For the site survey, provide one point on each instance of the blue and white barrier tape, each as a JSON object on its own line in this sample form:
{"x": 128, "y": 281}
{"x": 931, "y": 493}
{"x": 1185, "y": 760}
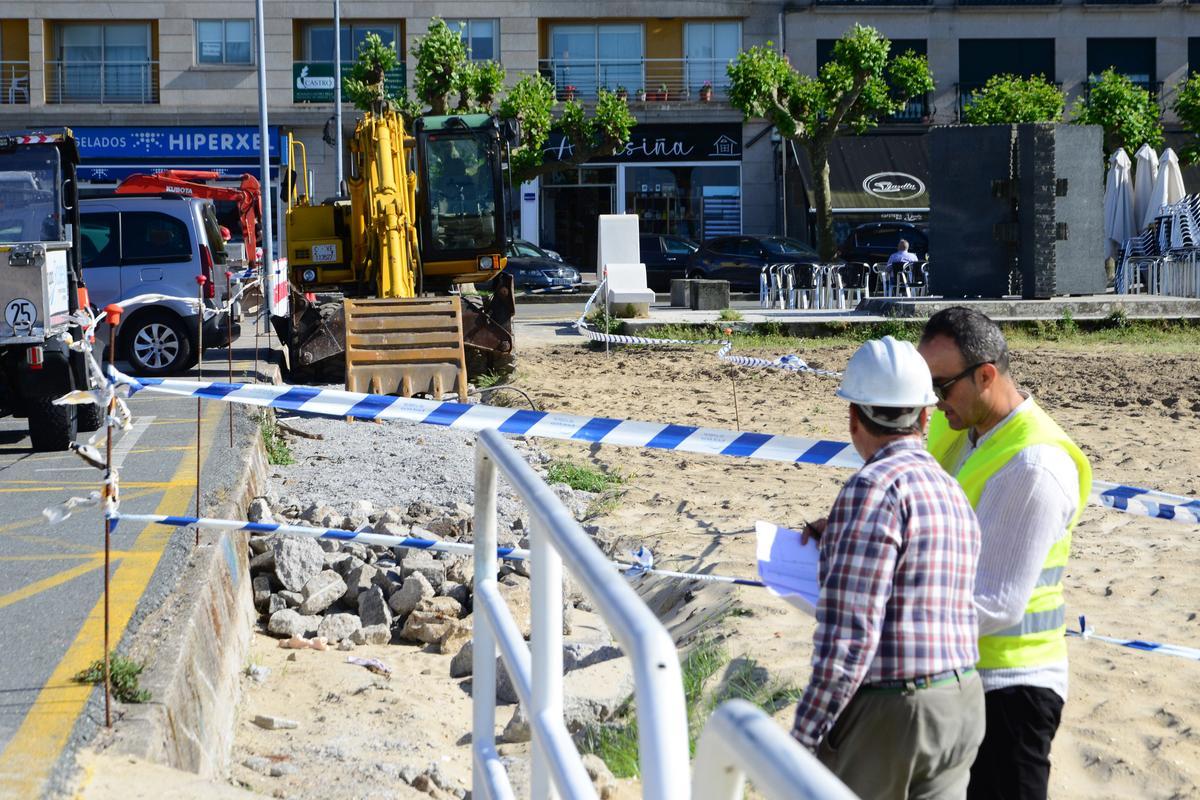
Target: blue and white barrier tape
{"x": 603, "y": 430}
{"x": 1179, "y": 651}
{"x": 789, "y": 363}
{"x": 518, "y": 422}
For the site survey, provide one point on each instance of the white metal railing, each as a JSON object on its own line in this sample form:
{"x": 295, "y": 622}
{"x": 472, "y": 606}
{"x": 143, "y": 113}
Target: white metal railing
{"x": 642, "y": 79}
{"x": 555, "y": 537}
{"x": 14, "y": 82}
{"x": 740, "y": 741}
{"x": 133, "y": 82}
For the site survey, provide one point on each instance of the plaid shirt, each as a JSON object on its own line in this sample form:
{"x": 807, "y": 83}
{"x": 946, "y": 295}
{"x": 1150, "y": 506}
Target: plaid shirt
{"x": 897, "y": 575}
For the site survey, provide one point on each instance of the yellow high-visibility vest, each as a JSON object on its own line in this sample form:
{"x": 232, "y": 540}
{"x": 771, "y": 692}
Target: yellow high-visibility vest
{"x": 1040, "y": 636}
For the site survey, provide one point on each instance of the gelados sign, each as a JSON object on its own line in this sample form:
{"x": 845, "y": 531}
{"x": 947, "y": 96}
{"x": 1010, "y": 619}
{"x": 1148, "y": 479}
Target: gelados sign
{"x": 230, "y": 141}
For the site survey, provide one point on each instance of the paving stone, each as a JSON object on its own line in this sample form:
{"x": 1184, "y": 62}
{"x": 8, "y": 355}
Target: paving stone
{"x": 297, "y": 560}
{"x": 373, "y": 609}
{"x": 336, "y": 627}
{"x": 322, "y": 591}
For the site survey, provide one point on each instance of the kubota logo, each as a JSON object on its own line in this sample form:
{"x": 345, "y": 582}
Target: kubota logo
{"x": 893, "y": 186}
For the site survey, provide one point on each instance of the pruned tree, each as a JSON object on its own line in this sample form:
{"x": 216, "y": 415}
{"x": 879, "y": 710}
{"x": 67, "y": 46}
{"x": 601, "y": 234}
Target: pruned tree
{"x": 446, "y": 81}
{"x": 1187, "y": 108}
{"x": 1012, "y": 98}
{"x": 365, "y": 85}
{"x": 854, "y": 90}
{"x": 1128, "y": 113}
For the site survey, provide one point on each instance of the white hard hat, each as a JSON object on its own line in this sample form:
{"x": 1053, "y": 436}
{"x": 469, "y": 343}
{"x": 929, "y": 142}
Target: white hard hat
{"x": 890, "y": 373}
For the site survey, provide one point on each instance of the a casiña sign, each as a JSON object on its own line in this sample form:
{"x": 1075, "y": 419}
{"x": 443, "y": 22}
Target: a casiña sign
{"x": 893, "y": 186}
{"x": 720, "y": 141}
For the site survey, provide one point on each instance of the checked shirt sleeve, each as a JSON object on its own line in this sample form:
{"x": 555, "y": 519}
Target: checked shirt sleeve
{"x": 858, "y": 557}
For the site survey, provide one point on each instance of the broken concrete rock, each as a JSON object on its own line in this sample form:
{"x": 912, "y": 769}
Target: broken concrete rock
{"x": 373, "y": 609}
{"x": 372, "y": 634}
{"x": 260, "y": 544}
{"x": 322, "y": 591}
{"x": 458, "y": 592}
{"x": 517, "y": 730}
{"x": 275, "y": 603}
{"x": 455, "y": 636}
{"x": 336, "y": 627}
{"x": 601, "y": 775}
{"x": 415, "y": 589}
{"x": 463, "y": 663}
{"x": 274, "y": 723}
{"x": 358, "y": 580}
{"x": 317, "y": 512}
{"x": 288, "y": 622}
{"x": 516, "y": 596}
{"x": 261, "y": 586}
{"x": 259, "y": 510}
{"x": 297, "y": 561}
{"x": 293, "y": 599}
{"x": 263, "y": 562}
{"x": 423, "y": 561}
{"x": 431, "y": 619}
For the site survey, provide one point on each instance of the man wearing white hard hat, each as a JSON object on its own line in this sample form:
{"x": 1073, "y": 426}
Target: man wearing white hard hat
{"x": 894, "y": 706}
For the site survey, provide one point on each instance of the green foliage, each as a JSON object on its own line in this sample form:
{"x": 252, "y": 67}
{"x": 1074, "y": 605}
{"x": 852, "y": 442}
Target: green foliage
{"x": 530, "y": 101}
{"x": 854, "y": 90}
{"x": 441, "y": 57}
{"x": 123, "y": 675}
{"x": 1187, "y": 107}
{"x": 364, "y": 87}
{"x": 583, "y": 478}
{"x": 1012, "y": 98}
{"x": 600, "y": 320}
{"x": 1128, "y": 113}
{"x": 278, "y": 452}
{"x": 729, "y": 315}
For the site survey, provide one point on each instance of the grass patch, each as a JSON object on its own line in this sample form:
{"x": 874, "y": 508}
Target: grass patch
{"x": 617, "y": 742}
{"x": 278, "y": 452}
{"x": 123, "y": 673}
{"x": 599, "y": 320}
{"x": 583, "y": 478}
{"x": 730, "y": 315}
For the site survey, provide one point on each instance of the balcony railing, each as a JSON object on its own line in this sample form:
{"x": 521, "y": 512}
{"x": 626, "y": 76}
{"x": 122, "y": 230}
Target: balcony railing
{"x": 646, "y": 79}
{"x": 1121, "y": 2}
{"x": 14, "y": 82}
{"x": 916, "y": 110}
{"x": 1009, "y": 2}
{"x": 873, "y": 2}
{"x": 133, "y": 82}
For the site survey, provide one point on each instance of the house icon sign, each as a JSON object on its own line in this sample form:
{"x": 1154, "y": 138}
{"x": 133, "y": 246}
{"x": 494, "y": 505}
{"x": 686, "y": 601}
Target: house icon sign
{"x": 724, "y": 146}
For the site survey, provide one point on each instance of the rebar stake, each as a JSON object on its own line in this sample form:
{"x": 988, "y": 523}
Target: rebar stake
{"x": 228, "y": 347}
{"x": 200, "y": 281}
{"x": 113, "y": 315}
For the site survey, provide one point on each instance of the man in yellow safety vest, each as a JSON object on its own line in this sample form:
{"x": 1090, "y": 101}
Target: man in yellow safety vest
{"x": 1028, "y": 483}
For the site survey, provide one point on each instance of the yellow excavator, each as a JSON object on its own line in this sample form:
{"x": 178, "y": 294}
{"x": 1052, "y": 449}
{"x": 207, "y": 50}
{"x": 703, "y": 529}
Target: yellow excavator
{"x": 376, "y": 279}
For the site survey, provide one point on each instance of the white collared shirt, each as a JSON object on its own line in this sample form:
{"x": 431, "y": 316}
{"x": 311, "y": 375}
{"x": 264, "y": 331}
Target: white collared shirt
{"x": 1024, "y": 508}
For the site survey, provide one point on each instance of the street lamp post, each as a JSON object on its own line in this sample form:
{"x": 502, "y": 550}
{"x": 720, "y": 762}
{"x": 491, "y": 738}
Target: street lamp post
{"x": 264, "y": 151}
{"x": 337, "y": 89}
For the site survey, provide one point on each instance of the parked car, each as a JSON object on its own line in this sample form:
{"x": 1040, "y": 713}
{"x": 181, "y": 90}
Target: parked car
{"x": 666, "y": 257}
{"x": 153, "y": 247}
{"x": 740, "y": 259}
{"x": 535, "y": 270}
{"x": 873, "y": 242}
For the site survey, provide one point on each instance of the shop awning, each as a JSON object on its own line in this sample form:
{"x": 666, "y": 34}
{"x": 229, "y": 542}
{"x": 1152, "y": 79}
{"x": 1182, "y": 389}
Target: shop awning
{"x": 875, "y": 172}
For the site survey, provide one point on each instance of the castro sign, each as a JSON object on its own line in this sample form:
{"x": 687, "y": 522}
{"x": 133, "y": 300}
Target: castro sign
{"x": 894, "y": 186}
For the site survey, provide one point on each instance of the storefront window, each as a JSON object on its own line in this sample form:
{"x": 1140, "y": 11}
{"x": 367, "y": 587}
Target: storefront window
{"x": 696, "y": 202}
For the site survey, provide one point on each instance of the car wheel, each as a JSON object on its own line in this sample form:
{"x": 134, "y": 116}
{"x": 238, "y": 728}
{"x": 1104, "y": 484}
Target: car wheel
{"x": 156, "y": 345}
{"x": 90, "y": 417}
{"x": 51, "y": 428}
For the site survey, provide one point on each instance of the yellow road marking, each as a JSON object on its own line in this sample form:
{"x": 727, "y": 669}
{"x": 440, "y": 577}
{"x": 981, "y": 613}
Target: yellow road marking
{"x": 30, "y": 756}
{"x": 7, "y": 529}
{"x": 37, "y": 587}
{"x": 64, "y": 556}
{"x": 185, "y": 482}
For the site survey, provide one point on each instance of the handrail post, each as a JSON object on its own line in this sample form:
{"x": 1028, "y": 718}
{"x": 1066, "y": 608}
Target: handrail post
{"x": 483, "y": 649}
{"x": 546, "y": 606}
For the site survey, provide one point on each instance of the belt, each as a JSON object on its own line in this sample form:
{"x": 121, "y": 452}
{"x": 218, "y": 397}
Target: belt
{"x": 912, "y": 684}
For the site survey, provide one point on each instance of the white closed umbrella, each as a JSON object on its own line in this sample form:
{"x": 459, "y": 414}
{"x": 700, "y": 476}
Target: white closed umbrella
{"x": 1145, "y": 173}
{"x": 1168, "y": 186}
{"x": 1119, "y": 225}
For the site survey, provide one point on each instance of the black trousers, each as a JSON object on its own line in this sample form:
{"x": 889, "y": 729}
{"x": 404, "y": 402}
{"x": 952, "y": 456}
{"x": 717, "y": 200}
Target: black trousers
{"x": 1013, "y": 762}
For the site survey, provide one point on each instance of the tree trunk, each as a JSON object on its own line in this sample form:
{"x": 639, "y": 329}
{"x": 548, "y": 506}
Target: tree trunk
{"x": 818, "y": 156}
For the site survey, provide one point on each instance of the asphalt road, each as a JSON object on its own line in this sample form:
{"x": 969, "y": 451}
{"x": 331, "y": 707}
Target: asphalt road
{"x": 51, "y": 576}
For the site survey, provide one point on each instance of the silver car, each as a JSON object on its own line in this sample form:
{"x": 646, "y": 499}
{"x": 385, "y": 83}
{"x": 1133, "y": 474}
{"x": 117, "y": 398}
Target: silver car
{"x": 145, "y": 252}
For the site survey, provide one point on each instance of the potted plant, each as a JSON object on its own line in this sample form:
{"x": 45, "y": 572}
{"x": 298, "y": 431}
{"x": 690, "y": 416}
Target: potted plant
{"x": 622, "y": 94}
{"x": 641, "y": 95}
{"x": 569, "y": 93}
{"x": 706, "y": 92}
{"x": 663, "y": 92}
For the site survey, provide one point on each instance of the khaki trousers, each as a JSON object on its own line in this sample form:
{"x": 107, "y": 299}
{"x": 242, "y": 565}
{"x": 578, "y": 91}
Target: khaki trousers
{"x": 916, "y": 745}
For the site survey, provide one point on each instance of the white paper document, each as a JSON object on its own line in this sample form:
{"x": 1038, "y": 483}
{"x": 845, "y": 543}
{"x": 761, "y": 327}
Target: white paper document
{"x": 788, "y": 568}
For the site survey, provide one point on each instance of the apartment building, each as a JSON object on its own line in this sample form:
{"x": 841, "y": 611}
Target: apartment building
{"x": 161, "y": 84}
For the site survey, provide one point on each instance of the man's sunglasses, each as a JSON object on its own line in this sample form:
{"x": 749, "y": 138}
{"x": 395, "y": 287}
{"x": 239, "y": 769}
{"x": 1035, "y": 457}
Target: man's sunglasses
{"x": 942, "y": 388}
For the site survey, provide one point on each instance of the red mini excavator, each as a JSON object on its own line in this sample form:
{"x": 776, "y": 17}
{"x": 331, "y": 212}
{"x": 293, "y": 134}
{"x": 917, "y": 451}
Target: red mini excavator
{"x": 191, "y": 183}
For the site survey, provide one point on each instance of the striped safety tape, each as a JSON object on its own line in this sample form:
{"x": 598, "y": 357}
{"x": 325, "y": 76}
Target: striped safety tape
{"x": 600, "y": 430}
{"x": 518, "y": 422}
{"x": 789, "y": 363}
{"x": 1179, "y": 651}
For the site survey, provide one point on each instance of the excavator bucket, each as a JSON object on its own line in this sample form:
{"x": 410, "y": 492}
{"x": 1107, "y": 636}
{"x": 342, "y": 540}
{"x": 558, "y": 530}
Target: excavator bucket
{"x": 487, "y": 328}
{"x": 405, "y": 346}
